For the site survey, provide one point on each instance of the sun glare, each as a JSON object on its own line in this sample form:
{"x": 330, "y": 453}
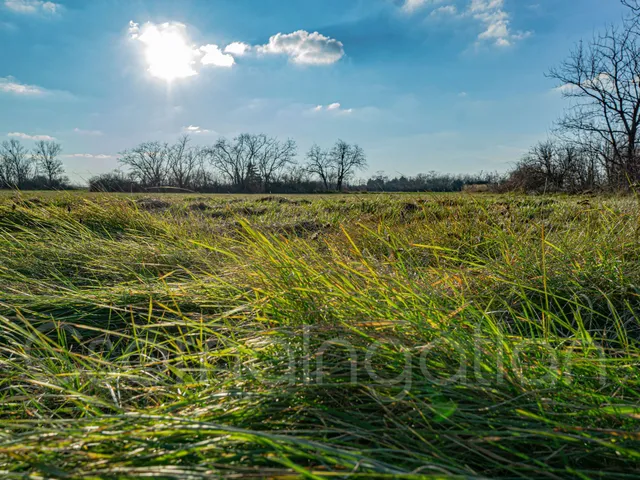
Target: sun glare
{"x": 168, "y": 52}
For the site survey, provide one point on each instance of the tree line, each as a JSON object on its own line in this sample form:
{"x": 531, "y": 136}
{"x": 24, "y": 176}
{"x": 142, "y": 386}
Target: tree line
{"x": 38, "y": 168}
{"x": 250, "y": 163}
{"x": 596, "y": 143}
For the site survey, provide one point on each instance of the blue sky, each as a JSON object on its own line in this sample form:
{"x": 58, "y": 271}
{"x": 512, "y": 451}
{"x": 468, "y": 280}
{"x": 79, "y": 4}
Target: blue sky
{"x": 446, "y": 85}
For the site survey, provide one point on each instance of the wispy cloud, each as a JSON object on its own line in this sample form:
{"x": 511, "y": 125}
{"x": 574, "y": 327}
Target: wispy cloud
{"x": 492, "y": 16}
{"x": 333, "y": 107}
{"x": 13, "y": 86}
{"x": 26, "y": 136}
{"x": 444, "y": 10}
{"x": 195, "y": 130}
{"x": 88, "y": 155}
{"x": 411, "y": 6}
{"x": 80, "y": 131}
{"x": 31, "y": 7}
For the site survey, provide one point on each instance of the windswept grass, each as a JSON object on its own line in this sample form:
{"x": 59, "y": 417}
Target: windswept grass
{"x": 357, "y": 336}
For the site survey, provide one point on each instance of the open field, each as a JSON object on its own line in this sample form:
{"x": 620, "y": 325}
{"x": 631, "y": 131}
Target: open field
{"x": 359, "y": 336}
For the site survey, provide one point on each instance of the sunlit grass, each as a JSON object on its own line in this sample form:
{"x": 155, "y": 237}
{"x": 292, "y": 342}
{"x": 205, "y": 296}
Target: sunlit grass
{"x": 386, "y": 336}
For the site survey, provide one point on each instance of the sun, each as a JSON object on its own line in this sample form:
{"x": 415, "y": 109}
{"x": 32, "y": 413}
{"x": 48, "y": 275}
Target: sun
{"x": 167, "y": 50}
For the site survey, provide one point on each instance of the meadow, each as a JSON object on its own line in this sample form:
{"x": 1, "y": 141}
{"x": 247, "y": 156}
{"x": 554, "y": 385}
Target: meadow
{"x": 396, "y": 336}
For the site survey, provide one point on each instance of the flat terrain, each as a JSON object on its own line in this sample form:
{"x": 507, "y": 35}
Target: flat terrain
{"x": 354, "y": 336}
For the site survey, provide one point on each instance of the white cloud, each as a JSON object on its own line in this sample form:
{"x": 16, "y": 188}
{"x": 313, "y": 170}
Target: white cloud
{"x": 463, "y": 94}
{"x": 305, "y": 48}
{"x": 565, "y": 89}
{"x": 410, "y": 6}
{"x": 333, "y": 107}
{"x": 237, "y": 48}
{"x": 444, "y": 10}
{"x": 214, "y": 56}
{"x": 496, "y": 21}
{"x": 193, "y": 129}
{"x": 491, "y": 14}
{"x": 134, "y": 29}
{"x": 87, "y": 155}
{"x": 32, "y": 6}
{"x": 80, "y": 131}
{"x": 170, "y": 55}
{"x": 25, "y": 136}
{"x": 602, "y": 82}
{"x": 11, "y": 85}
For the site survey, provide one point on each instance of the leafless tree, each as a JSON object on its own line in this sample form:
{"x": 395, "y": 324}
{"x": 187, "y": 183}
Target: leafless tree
{"x": 602, "y": 78}
{"x": 45, "y": 156}
{"x": 183, "y": 162}
{"x": 556, "y": 166}
{"x": 346, "y": 159}
{"x": 15, "y": 164}
{"x": 148, "y": 163}
{"x": 319, "y": 163}
{"x": 231, "y": 159}
{"x": 633, "y": 5}
{"x": 273, "y": 158}
{"x": 251, "y": 158}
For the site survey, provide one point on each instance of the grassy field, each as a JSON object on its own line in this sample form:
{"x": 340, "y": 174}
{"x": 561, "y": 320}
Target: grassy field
{"x": 355, "y": 336}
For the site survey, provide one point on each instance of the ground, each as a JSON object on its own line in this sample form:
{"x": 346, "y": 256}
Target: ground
{"x": 361, "y": 336}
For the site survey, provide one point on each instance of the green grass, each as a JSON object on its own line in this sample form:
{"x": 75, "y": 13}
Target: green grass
{"x": 355, "y": 336}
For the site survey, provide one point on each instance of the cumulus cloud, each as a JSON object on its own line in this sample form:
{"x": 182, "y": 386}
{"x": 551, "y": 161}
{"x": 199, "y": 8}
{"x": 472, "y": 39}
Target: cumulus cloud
{"x": 11, "y": 85}
{"x": 214, "y": 56}
{"x": 170, "y": 54}
{"x": 32, "y": 6}
{"x": 25, "y": 136}
{"x": 305, "y": 48}
{"x": 237, "y": 49}
{"x": 603, "y": 82}
{"x": 496, "y": 21}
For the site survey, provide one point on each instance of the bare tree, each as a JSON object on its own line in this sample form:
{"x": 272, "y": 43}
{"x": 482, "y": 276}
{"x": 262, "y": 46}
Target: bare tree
{"x": 15, "y": 164}
{"x": 230, "y": 159}
{"x": 45, "y": 156}
{"x": 633, "y": 5}
{"x": 148, "y": 163}
{"x": 273, "y": 158}
{"x": 6, "y": 173}
{"x": 346, "y": 159}
{"x": 183, "y": 162}
{"x": 250, "y": 159}
{"x": 319, "y": 163}
{"x": 602, "y": 79}
{"x": 554, "y": 166}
